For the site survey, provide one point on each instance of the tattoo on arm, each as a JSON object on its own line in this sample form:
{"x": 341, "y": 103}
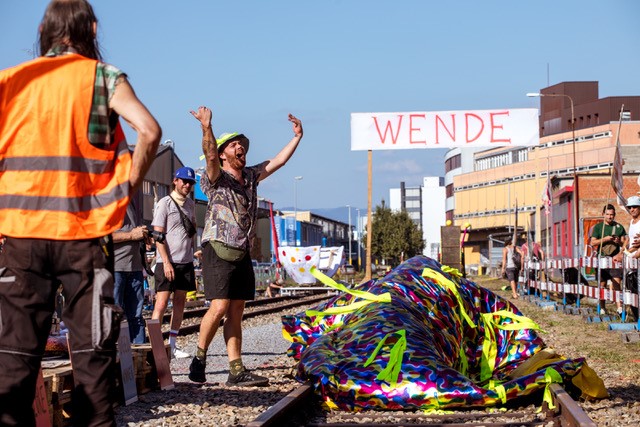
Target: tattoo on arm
{"x": 208, "y": 143}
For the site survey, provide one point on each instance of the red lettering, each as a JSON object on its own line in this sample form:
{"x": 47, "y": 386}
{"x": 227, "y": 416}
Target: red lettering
{"x": 466, "y": 120}
{"x": 394, "y": 138}
{"x": 494, "y": 126}
{"x": 452, "y": 135}
{"x": 412, "y": 129}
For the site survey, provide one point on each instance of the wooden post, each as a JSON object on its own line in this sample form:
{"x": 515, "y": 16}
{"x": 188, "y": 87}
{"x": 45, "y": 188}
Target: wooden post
{"x": 367, "y": 274}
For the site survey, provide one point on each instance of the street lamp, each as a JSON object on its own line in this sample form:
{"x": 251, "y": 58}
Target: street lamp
{"x": 349, "y": 207}
{"x": 173, "y": 150}
{"x": 576, "y": 210}
{"x": 295, "y": 208}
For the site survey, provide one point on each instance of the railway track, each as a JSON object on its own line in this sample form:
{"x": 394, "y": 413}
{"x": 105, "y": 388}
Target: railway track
{"x": 253, "y": 308}
{"x": 301, "y": 408}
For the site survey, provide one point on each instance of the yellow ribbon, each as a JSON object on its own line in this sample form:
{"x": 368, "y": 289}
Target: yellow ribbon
{"x": 452, "y": 271}
{"x": 550, "y": 376}
{"x": 367, "y": 296}
{"x": 453, "y": 288}
{"x": 499, "y": 389}
{"x": 391, "y": 372}
{"x": 489, "y": 346}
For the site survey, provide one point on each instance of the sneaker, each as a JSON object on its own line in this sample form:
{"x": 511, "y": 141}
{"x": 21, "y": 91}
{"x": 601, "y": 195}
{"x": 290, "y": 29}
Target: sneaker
{"x": 602, "y": 312}
{"x": 176, "y": 353}
{"x": 246, "y": 379}
{"x": 196, "y": 371}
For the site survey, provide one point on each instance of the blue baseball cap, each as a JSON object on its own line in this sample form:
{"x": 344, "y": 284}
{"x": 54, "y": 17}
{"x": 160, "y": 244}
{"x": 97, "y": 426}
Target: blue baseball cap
{"x": 186, "y": 173}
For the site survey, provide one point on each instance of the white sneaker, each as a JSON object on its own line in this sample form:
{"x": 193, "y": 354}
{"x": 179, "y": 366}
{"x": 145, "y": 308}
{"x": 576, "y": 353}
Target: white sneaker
{"x": 176, "y": 353}
{"x": 602, "y": 312}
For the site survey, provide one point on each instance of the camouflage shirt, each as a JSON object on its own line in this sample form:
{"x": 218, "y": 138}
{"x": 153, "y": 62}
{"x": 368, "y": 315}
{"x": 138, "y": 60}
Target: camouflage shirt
{"x": 232, "y": 209}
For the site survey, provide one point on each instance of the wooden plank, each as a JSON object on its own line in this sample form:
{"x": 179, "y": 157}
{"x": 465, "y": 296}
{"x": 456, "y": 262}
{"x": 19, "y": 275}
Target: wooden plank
{"x": 160, "y": 354}
{"x": 126, "y": 365}
{"x": 41, "y": 404}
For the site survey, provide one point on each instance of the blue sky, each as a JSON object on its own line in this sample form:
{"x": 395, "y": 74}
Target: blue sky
{"x": 253, "y": 62}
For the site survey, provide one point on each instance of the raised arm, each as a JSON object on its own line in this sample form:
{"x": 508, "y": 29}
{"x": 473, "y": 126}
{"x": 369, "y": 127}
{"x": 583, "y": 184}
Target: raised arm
{"x": 125, "y": 102}
{"x": 209, "y": 146}
{"x": 285, "y": 154}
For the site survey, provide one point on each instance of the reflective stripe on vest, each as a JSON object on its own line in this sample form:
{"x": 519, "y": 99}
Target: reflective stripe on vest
{"x": 53, "y": 183}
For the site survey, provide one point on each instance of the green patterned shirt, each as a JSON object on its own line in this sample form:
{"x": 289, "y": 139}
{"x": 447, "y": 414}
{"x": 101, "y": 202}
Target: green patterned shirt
{"x": 102, "y": 120}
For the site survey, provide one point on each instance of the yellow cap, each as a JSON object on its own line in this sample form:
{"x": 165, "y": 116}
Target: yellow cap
{"x": 227, "y": 137}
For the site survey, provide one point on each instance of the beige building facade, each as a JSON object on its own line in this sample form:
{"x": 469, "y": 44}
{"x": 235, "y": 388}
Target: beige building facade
{"x": 507, "y": 180}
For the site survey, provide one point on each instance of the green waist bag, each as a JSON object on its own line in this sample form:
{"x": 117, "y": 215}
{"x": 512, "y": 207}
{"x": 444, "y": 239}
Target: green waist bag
{"x": 226, "y": 252}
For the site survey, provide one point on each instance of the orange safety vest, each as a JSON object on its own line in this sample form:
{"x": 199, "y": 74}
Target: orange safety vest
{"x": 53, "y": 183}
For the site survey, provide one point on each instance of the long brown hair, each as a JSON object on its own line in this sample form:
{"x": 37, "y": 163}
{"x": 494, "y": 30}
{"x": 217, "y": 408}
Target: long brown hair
{"x": 69, "y": 23}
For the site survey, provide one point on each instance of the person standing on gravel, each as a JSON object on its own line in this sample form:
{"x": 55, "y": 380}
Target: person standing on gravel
{"x": 128, "y": 277}
{"x": 65, "y": 180}
{"x": 175, "y": 217}
{"x": 230, "y": 221}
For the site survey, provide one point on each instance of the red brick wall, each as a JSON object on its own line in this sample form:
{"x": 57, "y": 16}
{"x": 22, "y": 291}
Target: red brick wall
{"x": 595, "y": 192}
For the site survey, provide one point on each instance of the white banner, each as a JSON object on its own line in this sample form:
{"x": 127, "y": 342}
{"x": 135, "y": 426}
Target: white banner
{"x": 330, "y": 260}
{"x": 444, "y": 129}
{"x": 297, "y": 261}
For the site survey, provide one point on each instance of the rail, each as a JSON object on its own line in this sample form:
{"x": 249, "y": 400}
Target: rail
{"x": 300, "y": 403}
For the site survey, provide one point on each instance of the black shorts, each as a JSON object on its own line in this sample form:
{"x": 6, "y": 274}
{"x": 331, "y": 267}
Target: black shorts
{"x": 512, "y": 274}
{"x": 227, "y": 280}
{"x": 184, "y": 278}
{"x": 610, "y": 274}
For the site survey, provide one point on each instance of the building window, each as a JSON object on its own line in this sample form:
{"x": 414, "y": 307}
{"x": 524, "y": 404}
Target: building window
{"x": 163, "y": 190}
{"x": 147, "y": 188}
{"x": 453, "y": 163}
{"x": 412, "y": 192}
{"x": 449, "y": 216}
{"x": 449, "y": 190}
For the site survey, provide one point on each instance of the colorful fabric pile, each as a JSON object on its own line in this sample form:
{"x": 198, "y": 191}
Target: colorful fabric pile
{"x": 423, "y": 337}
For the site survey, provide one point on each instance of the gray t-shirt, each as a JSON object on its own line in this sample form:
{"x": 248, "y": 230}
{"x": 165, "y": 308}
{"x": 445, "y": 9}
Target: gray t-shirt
{"x": 179, "y": 244}
{"x": 127, "y": 254}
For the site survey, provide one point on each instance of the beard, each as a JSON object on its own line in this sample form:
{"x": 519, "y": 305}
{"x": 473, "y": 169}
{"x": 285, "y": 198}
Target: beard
{"x": 238, "y": 161}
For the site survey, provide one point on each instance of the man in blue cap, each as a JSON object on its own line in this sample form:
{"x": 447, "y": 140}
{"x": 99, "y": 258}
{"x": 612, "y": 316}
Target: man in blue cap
{"x": 230, "y": 225}
{"x": 175, "y": 217}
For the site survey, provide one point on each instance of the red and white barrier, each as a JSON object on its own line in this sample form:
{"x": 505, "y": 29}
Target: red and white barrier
{"x": 627, "y": 297}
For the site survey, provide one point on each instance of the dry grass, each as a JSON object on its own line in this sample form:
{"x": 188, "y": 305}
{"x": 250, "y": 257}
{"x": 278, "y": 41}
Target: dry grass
{"x": 572, "y": 336}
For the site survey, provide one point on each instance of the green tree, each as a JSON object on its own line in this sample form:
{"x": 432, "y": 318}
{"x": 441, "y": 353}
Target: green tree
{"x": 394, "y": 236}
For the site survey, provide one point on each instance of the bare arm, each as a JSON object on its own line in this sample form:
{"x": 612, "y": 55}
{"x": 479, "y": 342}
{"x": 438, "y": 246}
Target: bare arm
{"x": 209, "y": 146}
{"x": 285, "y": 154}
{"x": 134, "y": 234}
{"x": 504, "y": 259}
{"x": 125, "y": 102}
